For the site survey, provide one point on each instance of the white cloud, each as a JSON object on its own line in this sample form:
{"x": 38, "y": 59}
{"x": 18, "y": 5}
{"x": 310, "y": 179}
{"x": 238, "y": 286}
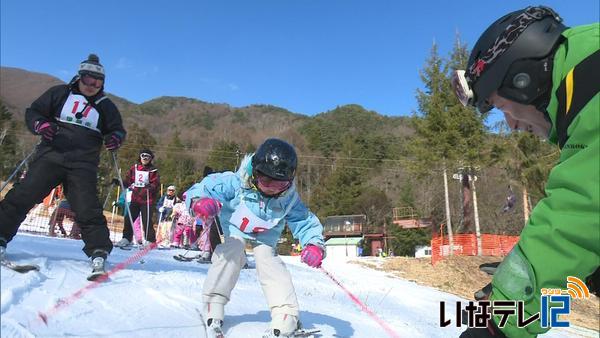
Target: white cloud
{"x": 151, "y": 71}
{"x": 124, "y": 63}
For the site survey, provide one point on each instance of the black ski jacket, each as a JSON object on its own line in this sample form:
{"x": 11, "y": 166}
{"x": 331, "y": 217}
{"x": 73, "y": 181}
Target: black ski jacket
{"x": 79, "y": 139}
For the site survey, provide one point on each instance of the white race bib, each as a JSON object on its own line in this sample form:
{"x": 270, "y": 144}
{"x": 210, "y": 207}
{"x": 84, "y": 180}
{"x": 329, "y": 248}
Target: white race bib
{"x": 77, "y": 110}
{"x": 248, "y": 222}
{"x": 142, "y": 178}
{"x": 128, "y": 196}
{"x": 168, "y": 203}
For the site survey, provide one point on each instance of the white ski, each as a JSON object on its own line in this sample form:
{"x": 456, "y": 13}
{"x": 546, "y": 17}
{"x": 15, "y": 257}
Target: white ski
{"x": 306, "y": 333}
{"x": 20, "y": 268}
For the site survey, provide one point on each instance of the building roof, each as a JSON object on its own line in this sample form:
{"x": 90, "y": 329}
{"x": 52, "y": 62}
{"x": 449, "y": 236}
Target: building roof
{"x": 343, "y": 241}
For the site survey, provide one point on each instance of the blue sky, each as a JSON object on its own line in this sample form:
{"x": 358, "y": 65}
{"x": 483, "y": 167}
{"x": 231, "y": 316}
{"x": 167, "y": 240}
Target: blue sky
{"x": 306, "y": 56}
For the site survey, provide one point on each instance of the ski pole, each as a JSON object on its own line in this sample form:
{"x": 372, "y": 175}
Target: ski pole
{"x": 116, "y": 164}
{"x": 107, "y": 196}
{"x": 148, "y": 220}
{"x": 159, "y": 228}
{"x": 19, "y": 167}
{"x": 362, "y": 306}
{"x": 112, "y": 216}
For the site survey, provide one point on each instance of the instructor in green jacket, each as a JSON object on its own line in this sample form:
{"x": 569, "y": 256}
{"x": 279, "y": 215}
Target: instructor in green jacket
{"x": 544, "y": 77}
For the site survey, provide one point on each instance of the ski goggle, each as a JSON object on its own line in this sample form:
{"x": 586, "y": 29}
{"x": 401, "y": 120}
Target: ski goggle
{"x": 145, "y": 156}
{"x": 265, "y": 183}
{"x": 91, "y": 81}
{"x": 461, "y": 87}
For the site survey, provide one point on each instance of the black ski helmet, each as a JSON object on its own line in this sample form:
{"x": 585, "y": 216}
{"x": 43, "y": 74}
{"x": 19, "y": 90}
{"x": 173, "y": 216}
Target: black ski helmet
{"x": 514, "y": 56}
{"x": 275, "y": 158}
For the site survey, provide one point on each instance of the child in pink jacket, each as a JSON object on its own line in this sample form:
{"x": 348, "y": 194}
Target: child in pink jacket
{"x": 186, "y": 225}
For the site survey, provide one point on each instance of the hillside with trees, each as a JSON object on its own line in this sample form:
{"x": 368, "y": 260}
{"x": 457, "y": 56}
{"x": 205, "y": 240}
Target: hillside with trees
{"x": 352, "y": 160}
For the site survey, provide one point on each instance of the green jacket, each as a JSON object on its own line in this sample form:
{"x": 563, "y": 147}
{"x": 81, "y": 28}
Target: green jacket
{"x": 562, "y": 236}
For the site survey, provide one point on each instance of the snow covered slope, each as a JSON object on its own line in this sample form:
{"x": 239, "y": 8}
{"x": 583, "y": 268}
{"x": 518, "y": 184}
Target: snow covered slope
{"x": 161, "y": 298}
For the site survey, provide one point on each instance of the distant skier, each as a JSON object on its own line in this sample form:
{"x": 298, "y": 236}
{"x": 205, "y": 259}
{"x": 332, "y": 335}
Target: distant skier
{"x": 73, "y": 120}
{"x": 143, "y": 180}
{"x": 254, "y": 205}
{"x": 165, "y": 204}
{"x": 185, "y": 226}
{"x": 165, "y": 213}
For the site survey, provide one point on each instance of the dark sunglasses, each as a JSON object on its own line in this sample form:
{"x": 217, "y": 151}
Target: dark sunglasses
{"x": 91, "y": 81}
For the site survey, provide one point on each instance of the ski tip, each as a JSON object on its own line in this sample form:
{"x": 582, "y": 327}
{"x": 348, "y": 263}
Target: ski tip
{"x": 43, "y": 317}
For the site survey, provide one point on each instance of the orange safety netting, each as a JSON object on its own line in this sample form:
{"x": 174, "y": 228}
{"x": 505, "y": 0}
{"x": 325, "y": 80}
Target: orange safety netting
{"x": 466, "y": 245}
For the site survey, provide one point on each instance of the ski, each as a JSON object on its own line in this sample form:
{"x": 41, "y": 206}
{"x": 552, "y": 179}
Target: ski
{"x": 20, "y": 268}
{"x": 96, "y": 276}
{"x": 196, "y": 258}
{"x": 182, "y": 258}
{"x": 306, "y": 333}
{"x": 299, "y": 333}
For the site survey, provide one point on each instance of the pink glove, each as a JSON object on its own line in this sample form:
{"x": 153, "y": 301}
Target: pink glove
{"x": 206, "y": 207}
{"x": 312, "y": 255}
{"x": 112, "y": 142}
{"x": 46, "y": 129}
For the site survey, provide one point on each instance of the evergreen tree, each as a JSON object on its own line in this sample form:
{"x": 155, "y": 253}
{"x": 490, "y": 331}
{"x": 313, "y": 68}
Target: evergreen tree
{"x": 404, "y": 241}
{"x": 178, "y": 167}
{"x": 225, "y": 155}
{"x": 448, "y": 135}
{"x": 530, "y": 161}
{"x": 8, "y": 142}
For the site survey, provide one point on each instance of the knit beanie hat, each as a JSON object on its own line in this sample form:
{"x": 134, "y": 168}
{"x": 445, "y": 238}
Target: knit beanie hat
{"x": 92, "y": 67}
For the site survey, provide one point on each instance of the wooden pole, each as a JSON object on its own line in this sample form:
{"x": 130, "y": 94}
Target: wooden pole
{"x": 476, "y": 214}
{"x": 448, "y": 222}
{"x": 525, "y": 206}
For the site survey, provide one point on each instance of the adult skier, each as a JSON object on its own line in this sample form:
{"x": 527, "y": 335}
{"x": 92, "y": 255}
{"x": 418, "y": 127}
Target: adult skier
{"x": 543, "y": 76}
{"x": 144, "y": 181}
{"x": 73, "y": 121}
{"x": 254, "y": 205}
{"x": 166, "y": 202}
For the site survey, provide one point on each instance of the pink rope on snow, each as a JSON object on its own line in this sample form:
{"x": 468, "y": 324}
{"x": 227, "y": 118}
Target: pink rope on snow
{"x": 362, "y": 306}
{"x": 62, "y": 303}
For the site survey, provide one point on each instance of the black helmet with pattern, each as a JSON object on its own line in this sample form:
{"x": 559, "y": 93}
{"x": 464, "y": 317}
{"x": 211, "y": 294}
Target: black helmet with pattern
{"x": 513, "y": 56}
{"x": 275, "y": 158}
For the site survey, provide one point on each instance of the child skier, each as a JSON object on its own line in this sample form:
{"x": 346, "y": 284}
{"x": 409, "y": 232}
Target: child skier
{"x": 203, "y": 242}
{"x": 185, "y": 225}
{"x": 257, "y": 202}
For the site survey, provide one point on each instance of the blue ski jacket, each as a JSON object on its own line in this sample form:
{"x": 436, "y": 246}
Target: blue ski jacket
{"x": 234, "y": 190}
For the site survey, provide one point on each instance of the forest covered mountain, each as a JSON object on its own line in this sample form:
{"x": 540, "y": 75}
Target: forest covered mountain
{"x": 352, "y": 161}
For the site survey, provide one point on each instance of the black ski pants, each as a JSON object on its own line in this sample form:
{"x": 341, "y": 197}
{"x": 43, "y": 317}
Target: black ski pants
{"x": 215, "y": 234}
{"x": 146, "y": 212}
{"x": 47, "y": 170}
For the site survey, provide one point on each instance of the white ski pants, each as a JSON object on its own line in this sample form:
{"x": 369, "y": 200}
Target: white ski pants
{"x": 228, "y": 260}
